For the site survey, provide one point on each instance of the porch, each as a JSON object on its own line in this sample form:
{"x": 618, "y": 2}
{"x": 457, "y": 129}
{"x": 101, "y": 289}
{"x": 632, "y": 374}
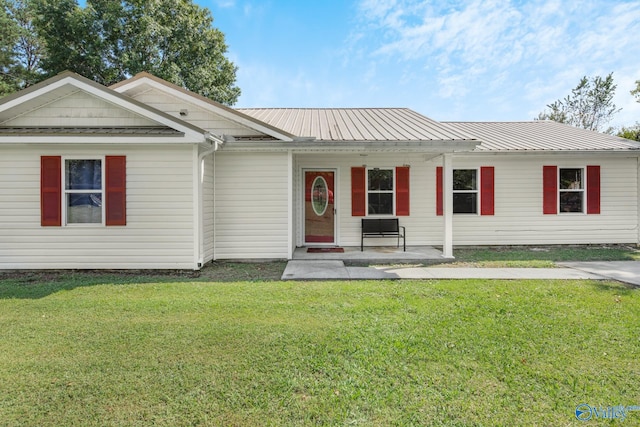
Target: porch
{"x": 374, "y": 254}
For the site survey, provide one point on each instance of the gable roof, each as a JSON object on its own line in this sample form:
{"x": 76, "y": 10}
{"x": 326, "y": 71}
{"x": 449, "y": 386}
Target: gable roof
{"x": 216, "y": 107}
{"x": 540, "y": 136}
{"x": 358, "y": 124}
{"x": 67, "y": 83}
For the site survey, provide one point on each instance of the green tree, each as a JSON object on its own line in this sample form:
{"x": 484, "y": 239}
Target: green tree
{"x": 108, "y": 41}
{"x": 21, "y": 49}
{"x": 632, "y": 132}
{"x": 590, "y": 105}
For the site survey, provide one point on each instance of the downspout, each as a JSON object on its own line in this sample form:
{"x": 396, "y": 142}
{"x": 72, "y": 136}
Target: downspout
{"x": 199, "y": 212}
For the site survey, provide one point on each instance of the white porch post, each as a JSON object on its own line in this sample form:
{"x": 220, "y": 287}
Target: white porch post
{"x": 447, "y": 190}
{"x": 290, "y": 234}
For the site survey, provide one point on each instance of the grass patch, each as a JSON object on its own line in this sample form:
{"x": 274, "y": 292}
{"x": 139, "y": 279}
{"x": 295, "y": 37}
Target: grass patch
{"x": 540, "y": 256}
{"x": 175, "y": 352}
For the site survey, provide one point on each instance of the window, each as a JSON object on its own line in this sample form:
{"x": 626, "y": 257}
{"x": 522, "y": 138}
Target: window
{"x": 465, "y": 191}
{"x": 380, "y": 191}
{"x": 86, "y": 191}
{"x": 473, "y": 191}
{"x": 571, "y": 190}
{"x": 83, "y": 192}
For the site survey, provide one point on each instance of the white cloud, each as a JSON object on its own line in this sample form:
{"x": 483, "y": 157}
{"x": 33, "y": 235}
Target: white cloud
{"x": 529, "y": 53}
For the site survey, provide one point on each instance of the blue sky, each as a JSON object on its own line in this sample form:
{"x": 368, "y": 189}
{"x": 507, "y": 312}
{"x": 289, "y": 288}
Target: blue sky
{"x": 481, "y": 60}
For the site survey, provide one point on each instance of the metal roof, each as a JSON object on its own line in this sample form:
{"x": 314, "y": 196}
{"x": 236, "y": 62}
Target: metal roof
{"x": 357, "y": 124}
{"x": 539, "y": 136}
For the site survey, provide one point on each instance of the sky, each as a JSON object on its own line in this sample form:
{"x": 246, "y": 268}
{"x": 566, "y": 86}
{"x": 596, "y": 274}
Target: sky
{"x": 476, "y": 60}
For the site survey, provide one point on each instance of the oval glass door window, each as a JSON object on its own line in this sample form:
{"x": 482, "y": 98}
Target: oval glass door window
{"x": 319, "y": 195}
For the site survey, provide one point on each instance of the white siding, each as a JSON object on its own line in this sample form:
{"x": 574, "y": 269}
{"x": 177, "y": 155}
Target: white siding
{"x": 518, "y": 215}
{"x": 159, "y": 230}
{"x": 196, "y": 115}
{"x": 80, "y": 109}
{"x": 422, "y": 226}
{"x": 251, "y": 205}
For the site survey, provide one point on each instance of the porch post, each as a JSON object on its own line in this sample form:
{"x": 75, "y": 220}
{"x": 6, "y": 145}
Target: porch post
{"x": 447, "y": 190}
{"x": 290, "y": 234}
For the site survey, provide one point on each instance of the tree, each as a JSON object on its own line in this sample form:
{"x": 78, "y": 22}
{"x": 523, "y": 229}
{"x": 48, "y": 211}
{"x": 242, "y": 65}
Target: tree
{"x": 108, "y": 41}
{"x": 21, "y": 50}
{"x": 632, "y": 132}
{"x": 590, "y": 105}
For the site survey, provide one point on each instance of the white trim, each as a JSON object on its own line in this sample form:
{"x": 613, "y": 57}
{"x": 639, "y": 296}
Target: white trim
{"x": 229, "y": 115}
{"x": 197, "y": 216}
{"x": 476, "y": 191}
{"x": 64, "y": 191}
{"x": 290, "y": 207}
{"x": 335, "y": 206}
{"x": 392, "y": 191}
{"x": 447, "y": 191}
{"x": 93, "y": 139}
{"x": 582, "y": 190}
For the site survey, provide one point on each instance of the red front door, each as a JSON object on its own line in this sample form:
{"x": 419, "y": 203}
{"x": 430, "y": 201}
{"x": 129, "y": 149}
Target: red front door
{"x": 319, "y": 207}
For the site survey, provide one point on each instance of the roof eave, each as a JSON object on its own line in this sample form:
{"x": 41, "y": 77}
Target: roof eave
{"x": 446, "y": 146}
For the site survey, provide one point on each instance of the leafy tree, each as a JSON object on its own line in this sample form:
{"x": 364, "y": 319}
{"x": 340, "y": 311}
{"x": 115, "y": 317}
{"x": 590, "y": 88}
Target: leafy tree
{"x": 109, "y": 41}
{"x": 590, "y": 105}
{"x": 632, "y": 132}
{"x": 636, "y": 92}
{"x": 21, "y": 50}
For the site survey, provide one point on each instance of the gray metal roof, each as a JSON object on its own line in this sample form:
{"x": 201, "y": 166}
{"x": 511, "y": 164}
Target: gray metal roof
{"x": 539, "y": 136}
{"x": 357, "y": 124}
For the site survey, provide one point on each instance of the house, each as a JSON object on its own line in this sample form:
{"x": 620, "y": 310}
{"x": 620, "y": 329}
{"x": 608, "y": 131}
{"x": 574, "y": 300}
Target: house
{"x": 147, "y": 175}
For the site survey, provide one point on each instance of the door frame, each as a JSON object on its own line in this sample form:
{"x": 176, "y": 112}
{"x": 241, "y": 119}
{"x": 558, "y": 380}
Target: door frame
{"x": 335, "y": 206}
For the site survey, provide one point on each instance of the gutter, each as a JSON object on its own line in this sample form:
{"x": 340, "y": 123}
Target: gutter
{"x": 213, "y": 144}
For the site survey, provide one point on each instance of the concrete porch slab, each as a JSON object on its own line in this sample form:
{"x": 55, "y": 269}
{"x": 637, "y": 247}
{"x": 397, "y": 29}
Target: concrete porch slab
{"x": 377, "y": 254}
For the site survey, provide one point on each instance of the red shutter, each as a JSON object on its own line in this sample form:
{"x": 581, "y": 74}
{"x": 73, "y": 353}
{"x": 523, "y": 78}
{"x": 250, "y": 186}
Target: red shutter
{"x": 593, "y": 189}
{"x": 50, "y": 191}
{"x": 402, "y": 191}
{"x": 358, "y": 192}
{"x": 550, "y": 190}
{"x": 487, "y": 190}
{"x": 439, "y": 198}
{"x": 115, "y": 190}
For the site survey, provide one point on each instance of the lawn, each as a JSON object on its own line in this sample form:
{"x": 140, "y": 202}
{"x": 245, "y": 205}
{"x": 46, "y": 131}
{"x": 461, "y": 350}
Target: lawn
{"x": 123, "y": 350}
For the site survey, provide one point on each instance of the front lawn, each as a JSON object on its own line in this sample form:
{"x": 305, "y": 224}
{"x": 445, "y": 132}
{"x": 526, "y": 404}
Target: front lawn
{"x": 454, "y": 353}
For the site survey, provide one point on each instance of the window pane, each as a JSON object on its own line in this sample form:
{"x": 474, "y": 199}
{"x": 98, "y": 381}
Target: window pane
{"x": 84, "y": 208}
{"x": 380, "y": 179}
{"x": 380, "y": 203}
{"x": 464, "y": 179}
{"x": 465, "y": 203}
{"x": 571, "y": 201}
{"x": 571, "y": 179}
{"x": 83, "y": 174}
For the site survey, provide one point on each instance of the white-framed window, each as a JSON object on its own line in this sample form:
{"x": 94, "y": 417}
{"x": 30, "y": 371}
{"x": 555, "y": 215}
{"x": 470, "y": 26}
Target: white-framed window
{"x": 465, "y": 191}
{"x": 571, "y": 190}
{"x": 380, "y": 189}
{"x": 83, "y": 191}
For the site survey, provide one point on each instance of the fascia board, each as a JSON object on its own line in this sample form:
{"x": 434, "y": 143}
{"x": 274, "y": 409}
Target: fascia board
{"x": 362, "y": 147}
{"x": 103, "y": 139}
{"x": 109, "y": 96}
{"x": 209, "y": 105}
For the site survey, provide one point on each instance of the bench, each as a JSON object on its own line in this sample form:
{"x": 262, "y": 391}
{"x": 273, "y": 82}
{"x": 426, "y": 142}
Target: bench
{"x": 382, "y": 227}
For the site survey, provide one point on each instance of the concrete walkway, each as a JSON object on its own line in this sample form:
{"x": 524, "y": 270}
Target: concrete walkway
{"x": 624, "y": 271}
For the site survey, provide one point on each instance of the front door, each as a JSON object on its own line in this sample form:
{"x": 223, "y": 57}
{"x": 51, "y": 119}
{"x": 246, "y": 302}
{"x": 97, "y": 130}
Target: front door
{"x": 319, "y": 207}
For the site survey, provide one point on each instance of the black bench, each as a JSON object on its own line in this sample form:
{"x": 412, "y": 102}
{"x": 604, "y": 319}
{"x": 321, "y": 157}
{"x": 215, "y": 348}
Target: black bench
{"x": 382, "y": 227}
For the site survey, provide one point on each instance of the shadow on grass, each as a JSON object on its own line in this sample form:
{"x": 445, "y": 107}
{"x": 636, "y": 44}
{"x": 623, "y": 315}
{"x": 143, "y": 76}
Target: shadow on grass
{"x": 34, "y": 284}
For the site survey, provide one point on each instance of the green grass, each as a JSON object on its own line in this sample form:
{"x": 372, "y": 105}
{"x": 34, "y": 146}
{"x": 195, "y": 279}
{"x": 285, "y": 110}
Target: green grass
{"x": 540, "y": 256}
{"x": 169, "y": 351}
